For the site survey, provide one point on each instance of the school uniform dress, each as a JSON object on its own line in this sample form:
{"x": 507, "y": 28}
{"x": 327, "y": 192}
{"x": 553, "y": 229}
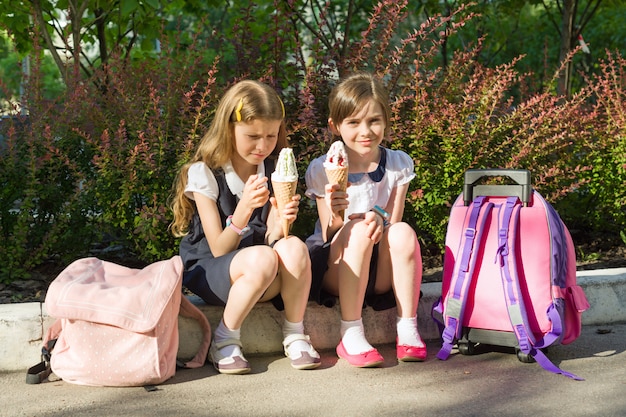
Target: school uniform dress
{"x": 365, "y": 191}
{"x": 204, "y": 274}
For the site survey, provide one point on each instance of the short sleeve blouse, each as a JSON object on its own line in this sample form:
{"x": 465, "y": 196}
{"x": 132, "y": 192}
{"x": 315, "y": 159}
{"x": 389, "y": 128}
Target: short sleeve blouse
{"x": 200, "y": 179}
{"x": 365, "y": 193}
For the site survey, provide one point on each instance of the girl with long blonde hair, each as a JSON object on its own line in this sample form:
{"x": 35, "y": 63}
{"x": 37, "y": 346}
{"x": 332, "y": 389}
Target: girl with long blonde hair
{"x": 233, "y": 247}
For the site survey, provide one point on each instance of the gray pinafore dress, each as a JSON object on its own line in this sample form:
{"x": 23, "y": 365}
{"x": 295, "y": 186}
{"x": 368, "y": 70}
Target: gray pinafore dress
{"x": 208, "y": 276}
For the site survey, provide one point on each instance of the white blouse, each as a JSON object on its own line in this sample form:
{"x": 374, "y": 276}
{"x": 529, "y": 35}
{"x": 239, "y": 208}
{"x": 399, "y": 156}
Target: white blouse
{"x": 200, "y": 179}
{"x": 365, "y": 193}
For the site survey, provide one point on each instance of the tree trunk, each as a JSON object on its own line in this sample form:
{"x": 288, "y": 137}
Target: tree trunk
{"x": 567, "y": 28}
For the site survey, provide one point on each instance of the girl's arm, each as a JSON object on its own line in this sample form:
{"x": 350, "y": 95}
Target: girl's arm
{"x": 395, "y": 206}
{"x": 272, "y": 234}
{"x": 224, "y": 240}
{"x": 328, "y": 208}
{"x": 220, "y": 241}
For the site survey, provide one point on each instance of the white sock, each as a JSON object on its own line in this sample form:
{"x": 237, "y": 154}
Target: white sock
{"x": 222, "y": 333}
{"x": 353, "y": 337}
{"x": 407, "y": 332}
{"x": 298, "y": 346}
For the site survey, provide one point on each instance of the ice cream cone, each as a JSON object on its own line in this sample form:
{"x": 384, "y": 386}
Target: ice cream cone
{"x": 283, "y": 192}
{"x": 338, "y": 176}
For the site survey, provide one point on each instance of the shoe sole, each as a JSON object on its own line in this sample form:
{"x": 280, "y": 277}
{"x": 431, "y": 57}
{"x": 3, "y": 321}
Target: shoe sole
{"x": 411, "y": 359}
{"x": 367, "y": 365}
{"x": 372, "y": 364}
{"x": 307, "y": 366}
{"x": 226, "y": 371}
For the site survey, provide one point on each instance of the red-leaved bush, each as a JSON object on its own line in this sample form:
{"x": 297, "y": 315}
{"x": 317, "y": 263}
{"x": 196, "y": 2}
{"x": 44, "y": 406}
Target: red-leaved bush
{"x": 92, "y": 172}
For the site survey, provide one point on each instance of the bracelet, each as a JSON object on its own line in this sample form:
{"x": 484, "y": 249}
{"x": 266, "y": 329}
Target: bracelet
{"x": 240, "y": 232}
{"x": 382, "y": 213}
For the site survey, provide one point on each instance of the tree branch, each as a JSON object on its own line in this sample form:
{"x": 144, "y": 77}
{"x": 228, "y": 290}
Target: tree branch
{"x": 38, "y": 12}
{"x": 318, "y": 34}
{"x": 556, "y": 25}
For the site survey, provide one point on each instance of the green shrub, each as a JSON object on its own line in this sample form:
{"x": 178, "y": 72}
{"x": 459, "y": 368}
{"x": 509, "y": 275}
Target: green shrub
{"x": 98, "y": 163}
{"x": 601, "y": 203}
{"x": 43, "y": 212}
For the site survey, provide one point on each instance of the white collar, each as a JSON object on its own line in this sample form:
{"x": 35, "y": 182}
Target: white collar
{"x": 235, "y": 184}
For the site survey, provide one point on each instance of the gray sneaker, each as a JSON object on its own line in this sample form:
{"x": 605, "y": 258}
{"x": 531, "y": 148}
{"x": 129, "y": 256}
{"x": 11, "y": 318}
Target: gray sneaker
{"x": 308, "y": 359}
{"x": 234, "y": 365}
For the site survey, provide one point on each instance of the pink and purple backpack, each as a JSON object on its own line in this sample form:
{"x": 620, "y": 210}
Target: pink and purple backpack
{"x": 509, "y": 275}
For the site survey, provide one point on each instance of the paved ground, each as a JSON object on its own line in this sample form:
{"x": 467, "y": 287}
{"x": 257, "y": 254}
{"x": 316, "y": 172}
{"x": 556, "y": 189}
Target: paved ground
{"x": 488, "y": 384}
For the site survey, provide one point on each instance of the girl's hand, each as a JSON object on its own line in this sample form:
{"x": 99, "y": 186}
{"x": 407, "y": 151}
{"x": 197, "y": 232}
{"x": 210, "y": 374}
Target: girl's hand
{"x": 289, "y": 213}
{"x": 375, "y": 224}
{"x": 255, "y": 192}
{"x": 336, "y": 200}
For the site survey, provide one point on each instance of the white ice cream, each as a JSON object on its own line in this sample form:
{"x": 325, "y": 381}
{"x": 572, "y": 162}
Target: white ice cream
{"x": 337, "y": 157}
{"x": 286, "y": 170}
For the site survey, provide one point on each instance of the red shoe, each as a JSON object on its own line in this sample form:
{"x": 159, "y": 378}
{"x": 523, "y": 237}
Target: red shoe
{"x": 368, "y": 359}
{"x": 408, "y": 353}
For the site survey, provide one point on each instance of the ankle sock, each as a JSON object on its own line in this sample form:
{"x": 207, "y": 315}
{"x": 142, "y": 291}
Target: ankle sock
{"x": 407, "y": 332}
{"x": 222, "y": 333}
{"x": 298, "y": 346}
{"x": 353, "y": 337}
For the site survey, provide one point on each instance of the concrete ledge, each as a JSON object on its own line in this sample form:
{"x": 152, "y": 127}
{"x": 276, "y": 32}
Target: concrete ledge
{"x": 606, "y": 293}
{"x": 262, "y": 330}
{"x": 21, "y": 335}
{"x": 22, "y": 326}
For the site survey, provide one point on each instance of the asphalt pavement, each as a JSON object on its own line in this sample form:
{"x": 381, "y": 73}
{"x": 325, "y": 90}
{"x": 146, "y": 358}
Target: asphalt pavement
{"x": 487, "y": 384}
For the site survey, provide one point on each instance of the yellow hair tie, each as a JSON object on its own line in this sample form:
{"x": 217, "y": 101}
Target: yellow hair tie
{"x": 238, "y": 110}
{"x": 282, "y": 106}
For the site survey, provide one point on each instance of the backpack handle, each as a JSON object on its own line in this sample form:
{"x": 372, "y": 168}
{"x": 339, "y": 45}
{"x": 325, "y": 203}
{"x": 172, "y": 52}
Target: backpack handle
{"x": 521, "y": 189}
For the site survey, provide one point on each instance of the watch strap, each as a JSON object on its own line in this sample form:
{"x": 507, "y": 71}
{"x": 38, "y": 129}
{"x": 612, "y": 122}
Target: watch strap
{"x": 240, "y": 232}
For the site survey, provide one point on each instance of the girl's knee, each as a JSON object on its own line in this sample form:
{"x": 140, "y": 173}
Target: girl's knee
{"x": 291, "y": 246}
{"x": 402, "y": 237}
{"x": 356, "y": 235}
{"x": 259, "y": 260}
{"x": 293, "y": 251}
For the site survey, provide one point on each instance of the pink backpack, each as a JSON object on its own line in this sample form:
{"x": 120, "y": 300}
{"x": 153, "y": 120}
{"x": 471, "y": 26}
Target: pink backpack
{"x": 117, "y": 326}
{"x": 509, "y": 275}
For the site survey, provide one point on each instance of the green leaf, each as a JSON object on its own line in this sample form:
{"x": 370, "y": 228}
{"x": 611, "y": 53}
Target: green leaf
{"x": 153, "y": 3}
{"x": 128, "y": 6}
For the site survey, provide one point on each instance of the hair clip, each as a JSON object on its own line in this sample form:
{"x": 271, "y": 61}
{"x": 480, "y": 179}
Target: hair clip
{"x": 238, "y": 110}
{"x": 282, "y": 106}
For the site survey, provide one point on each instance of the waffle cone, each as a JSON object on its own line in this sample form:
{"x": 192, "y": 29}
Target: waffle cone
{"x": 283, "y": 192}
{"x": 338, "y": 176}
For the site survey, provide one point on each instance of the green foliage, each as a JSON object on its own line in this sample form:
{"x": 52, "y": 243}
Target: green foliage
{"x": 42, "y": 209}
{"x": 97, "y": 162}
{"x": 481, "y": 126}
{"x": 12, "y": 73}
{"x": 601, "y": 204}
{"x": 137, "y": 133}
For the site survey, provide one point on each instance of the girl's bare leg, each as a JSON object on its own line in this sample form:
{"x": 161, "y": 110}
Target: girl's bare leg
{"x": 294, "y": 283}
{"x": 400, "y": 267}
{"x": 252, "y": 271}
{"x": 347, "y": 277}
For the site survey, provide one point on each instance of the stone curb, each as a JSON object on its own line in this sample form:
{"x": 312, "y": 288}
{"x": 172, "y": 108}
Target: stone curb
{"x": 22, "y": 326}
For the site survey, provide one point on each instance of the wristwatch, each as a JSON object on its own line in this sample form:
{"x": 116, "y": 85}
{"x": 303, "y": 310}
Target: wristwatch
{"x": 240, "y": 232}
{"x": 382, "y": 213}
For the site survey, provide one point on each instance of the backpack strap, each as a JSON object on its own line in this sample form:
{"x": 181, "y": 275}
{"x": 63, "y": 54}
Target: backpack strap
{"x": 462, "y": 275}
{"x": 513, "y": 295}
{"x": 38, "y": 373}
{"x": 187, "y": 309}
